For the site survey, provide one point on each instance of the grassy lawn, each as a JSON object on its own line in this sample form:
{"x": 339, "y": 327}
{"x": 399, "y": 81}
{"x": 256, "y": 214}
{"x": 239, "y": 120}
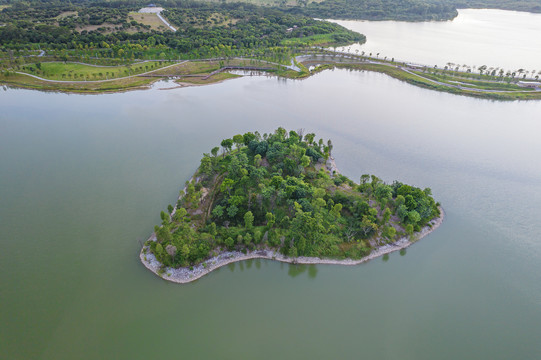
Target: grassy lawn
{"x": 78, "y": 87}
{"x": 148, "y": 19}
{"x": 79, "y": 72}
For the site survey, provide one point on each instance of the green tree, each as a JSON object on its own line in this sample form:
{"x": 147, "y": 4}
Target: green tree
{"x": 257, "y": 160}
{"x": 305, "y": 161}
{"x": 293, "y": 252}
{"x": 336, "y": 210}
{"x": 229, "y": 242}
{"x": 232, "y": 211}
{"x": 212, "y": 229}
{"x": 271, "y": 219}
{"x": 206, "y": 164}
{"x": 409, "y": 229}
{"x": 238, "y": 140}
{"x": 159, "y": 250}
{"x": 165, "y": 218}
{"x": 218, "y": 211}
{"x": 400, "y": 200}
{"x": 402, "y": 212}
{"x": 227, "y": 144}
{"x": 389, "y": 232}
{"x": 414, "y": 217}
{"x": 227, "y": 185}
{"x": 386, "y": 216}
{"x": 180, "y": 214}
{"x": 248, "y": 220}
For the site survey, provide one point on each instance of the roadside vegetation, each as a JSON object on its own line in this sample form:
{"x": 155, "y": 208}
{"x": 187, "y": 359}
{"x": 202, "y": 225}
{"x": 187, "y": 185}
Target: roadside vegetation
{"x": 280, "y": 191}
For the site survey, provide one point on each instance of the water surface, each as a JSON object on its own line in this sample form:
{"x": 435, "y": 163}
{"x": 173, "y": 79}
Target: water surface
{"x": 83, "y": 179}
{"x": 505, "y": 39}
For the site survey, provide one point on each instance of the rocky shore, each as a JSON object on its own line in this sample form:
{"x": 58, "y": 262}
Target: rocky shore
{"x": 186, "y": 275}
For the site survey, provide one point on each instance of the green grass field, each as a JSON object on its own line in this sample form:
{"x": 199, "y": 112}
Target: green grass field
{"x": 80, "y": 72}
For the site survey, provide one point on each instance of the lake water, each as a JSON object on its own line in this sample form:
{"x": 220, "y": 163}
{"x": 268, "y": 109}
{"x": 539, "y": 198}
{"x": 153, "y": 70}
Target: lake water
{"x": 496, "y": 38}
{"x": 83, "y": 179}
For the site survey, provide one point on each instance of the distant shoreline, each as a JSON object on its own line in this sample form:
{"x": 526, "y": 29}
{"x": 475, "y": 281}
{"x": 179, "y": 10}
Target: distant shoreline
{"x": 185, "y": 275}
{"x": 458, "y": 82}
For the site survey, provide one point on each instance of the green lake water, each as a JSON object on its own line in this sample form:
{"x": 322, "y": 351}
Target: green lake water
{"x": 84, "y": 178}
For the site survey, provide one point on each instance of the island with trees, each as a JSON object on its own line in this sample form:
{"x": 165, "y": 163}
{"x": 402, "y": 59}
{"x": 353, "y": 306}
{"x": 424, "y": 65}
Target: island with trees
{"x": 280, "y": 196}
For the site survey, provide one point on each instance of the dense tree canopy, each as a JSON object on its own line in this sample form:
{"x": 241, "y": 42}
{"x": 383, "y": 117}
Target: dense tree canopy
{"x": 275, "y": 191}
{"x": 206, "y": 28}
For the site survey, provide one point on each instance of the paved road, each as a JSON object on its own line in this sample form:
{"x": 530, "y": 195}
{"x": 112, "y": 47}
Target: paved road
{"x": 165, "y": 22}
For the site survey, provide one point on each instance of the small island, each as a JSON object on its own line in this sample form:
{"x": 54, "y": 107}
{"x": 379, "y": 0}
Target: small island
{"x": 280, "y": 196}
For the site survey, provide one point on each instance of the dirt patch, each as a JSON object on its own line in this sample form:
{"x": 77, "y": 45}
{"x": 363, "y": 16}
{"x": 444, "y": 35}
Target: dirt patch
{"x": 149, "y": 19}
{"x": 66, "y": 14}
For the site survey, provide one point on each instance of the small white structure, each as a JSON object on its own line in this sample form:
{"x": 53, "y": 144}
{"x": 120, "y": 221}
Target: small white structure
{"x": 529, "y": 84}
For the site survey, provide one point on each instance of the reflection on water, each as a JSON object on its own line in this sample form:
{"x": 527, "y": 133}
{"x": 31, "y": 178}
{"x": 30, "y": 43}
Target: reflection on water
{"x": 295, "y": 270}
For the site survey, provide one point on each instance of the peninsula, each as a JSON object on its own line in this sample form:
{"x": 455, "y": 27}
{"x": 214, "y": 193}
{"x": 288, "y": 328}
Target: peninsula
{"x": 280, "y": 196}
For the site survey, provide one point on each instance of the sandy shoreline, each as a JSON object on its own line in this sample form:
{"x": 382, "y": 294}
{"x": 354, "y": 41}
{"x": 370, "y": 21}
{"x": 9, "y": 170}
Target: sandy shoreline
{"x": 185, "y": 275}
